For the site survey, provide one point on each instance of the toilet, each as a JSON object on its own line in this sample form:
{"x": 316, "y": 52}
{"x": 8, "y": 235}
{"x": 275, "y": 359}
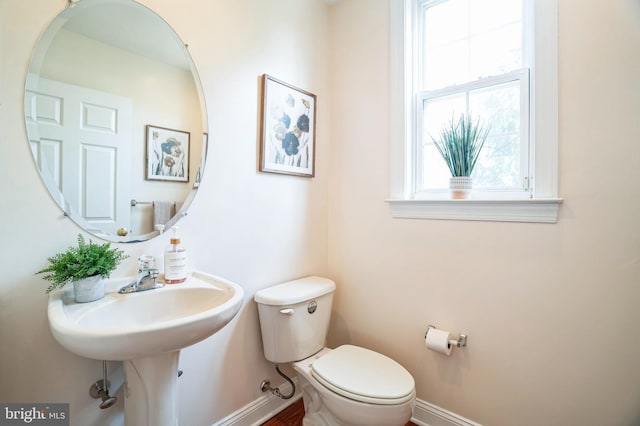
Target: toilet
{"x": 345, "y": 386}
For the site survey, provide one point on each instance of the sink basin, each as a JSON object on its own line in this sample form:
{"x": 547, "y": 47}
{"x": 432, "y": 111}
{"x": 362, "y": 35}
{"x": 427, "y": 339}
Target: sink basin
{"x": 122, "y": 327}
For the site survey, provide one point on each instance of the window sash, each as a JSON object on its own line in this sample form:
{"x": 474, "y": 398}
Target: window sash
{"x": 522, "y": 78}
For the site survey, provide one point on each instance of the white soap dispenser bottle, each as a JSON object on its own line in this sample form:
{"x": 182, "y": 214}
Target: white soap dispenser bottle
{"x": 175, "y": 261}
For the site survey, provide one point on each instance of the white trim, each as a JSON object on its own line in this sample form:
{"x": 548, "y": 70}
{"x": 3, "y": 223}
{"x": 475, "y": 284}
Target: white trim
{"x": 262, "y": 409}
{"x": 545, "y": 99}
{"x": 426, "y": 414}
{"x": 267, "y": 406}
{"x": 400, "y": 57}
{"x": 537, "y": 210}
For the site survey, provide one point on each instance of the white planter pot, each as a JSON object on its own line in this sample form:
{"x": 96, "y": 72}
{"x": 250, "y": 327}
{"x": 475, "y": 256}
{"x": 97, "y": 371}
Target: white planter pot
{"x": 88, "y": 289}
{"x": 460, "y": 187}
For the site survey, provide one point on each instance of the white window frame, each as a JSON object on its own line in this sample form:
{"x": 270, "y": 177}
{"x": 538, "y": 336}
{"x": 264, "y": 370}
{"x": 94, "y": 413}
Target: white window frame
{"x": 542, "y": 203}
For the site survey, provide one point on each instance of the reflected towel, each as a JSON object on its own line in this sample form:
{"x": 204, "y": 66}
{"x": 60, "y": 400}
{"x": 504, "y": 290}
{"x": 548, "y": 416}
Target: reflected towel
{"x": 163, "y": 211}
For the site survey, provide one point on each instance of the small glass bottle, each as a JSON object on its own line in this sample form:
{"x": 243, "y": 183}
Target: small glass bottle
{"x": 175, "y": 261}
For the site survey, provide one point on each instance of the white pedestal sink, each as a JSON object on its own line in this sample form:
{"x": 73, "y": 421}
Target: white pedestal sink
{"x": 146, "y": 330}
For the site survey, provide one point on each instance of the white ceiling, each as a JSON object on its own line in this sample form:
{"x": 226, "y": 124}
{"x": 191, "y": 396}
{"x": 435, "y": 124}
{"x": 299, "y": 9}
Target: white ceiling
{"x": 129, "y": 26}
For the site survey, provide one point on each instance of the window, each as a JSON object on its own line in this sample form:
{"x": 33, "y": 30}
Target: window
{"x": 495, "y": 60}
{"x": 471, "y": 58}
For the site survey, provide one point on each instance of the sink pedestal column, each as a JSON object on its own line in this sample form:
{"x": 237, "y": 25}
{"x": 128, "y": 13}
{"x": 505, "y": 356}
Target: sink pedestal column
{"x": 151, "y": 390}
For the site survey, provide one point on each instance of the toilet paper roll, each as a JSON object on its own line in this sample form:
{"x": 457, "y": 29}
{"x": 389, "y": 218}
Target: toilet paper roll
{"x": 438, "y": 340}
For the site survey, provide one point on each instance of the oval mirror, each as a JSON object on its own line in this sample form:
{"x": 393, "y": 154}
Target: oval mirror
{"x": 116, "y": 119}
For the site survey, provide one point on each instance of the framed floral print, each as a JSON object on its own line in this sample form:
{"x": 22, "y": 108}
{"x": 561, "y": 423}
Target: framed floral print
{"x": 167, "y": 154}
{"x": 287, "y": 131}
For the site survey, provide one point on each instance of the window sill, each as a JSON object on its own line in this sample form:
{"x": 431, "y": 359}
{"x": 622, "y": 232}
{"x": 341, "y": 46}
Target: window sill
{"x": 539, "y": 210}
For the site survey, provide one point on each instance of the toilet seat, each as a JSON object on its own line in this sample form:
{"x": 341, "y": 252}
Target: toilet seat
{"x": 364, "y": 375}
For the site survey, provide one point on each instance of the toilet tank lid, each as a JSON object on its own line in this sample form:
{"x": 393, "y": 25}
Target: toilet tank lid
{"x": 296, "y": 291}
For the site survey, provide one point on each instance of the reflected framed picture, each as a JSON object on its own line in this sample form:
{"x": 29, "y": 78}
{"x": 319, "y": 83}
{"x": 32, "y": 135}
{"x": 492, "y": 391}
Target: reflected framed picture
{"x": 167, "y": 154}
{"x": 287, "y": 128}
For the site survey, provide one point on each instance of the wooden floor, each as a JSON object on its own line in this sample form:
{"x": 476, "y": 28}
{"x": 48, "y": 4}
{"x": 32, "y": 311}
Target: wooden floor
{"x": 292, "y": 416}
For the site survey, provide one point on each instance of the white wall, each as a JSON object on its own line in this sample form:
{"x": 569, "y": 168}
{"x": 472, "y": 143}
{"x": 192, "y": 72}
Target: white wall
{"x": 550, "y": 310}
{"x": 253, "y": 228}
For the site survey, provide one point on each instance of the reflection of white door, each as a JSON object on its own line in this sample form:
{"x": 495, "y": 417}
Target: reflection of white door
{"x": 84, "y": 149}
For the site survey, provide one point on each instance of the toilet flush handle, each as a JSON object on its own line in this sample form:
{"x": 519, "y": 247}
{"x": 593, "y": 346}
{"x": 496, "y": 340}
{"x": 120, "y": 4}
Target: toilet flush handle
{"x": 286, "y": 311}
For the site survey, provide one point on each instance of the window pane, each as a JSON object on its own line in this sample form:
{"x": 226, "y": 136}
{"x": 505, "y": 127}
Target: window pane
{"x": 465, "y": 40}
{"x": 437, "y": 113}
{"x": 499, "y": 164}
{"x": 488, "y": 15}
{"x": 446, "y": 22}
{"x": 447, "y": 65}
{"x": 495, "y": 52}
{"x": 436, "y": 173}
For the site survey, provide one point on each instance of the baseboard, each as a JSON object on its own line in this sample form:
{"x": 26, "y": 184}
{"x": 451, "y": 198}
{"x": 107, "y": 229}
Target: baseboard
{"x": 262, "y": 409}
{"x": 427, "y": 414}
{"x": 268, "y": 405}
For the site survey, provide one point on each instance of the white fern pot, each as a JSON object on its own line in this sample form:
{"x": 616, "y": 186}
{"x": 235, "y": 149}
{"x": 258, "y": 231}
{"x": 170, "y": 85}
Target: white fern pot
{"x": 88, "y": 289}
{"x": 460, "y": 187}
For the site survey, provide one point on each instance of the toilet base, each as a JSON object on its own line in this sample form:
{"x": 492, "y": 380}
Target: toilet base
{"x": 316, "y": 414}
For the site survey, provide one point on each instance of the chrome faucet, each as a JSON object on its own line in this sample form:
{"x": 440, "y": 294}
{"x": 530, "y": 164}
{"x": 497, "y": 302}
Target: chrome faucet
{"x": 146, "y": 280}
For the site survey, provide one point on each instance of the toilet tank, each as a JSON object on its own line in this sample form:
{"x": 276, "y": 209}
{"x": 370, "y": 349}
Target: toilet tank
{"x": 294, "y": 318}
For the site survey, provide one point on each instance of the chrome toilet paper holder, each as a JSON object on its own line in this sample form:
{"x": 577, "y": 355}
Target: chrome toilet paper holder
{"x": 460, "y": 342}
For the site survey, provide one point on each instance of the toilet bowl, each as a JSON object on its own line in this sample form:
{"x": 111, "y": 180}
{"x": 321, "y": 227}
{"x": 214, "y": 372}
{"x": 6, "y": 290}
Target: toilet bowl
{"x": 345, "y": 386}
{"x": 353, "y": 386}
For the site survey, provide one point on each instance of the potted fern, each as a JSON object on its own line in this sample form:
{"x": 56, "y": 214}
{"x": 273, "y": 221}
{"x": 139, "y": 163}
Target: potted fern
{"x": 459, "y": 144}
{"x": 85, "y": 266}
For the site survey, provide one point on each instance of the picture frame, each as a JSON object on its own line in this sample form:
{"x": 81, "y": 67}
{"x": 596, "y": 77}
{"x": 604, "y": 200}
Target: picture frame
{"x": 167, "y": 156}
{"x": 287, "y": 128}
